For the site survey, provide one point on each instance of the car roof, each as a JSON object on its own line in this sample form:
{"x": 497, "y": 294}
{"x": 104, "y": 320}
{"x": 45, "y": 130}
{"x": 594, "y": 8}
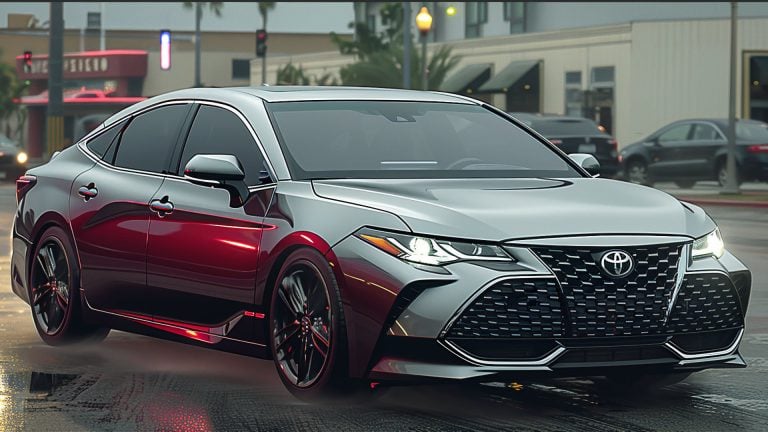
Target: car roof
{"x": 236, "y": 95}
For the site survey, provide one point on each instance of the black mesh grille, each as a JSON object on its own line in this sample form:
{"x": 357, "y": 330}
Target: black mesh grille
{"x": 706, "y": 301}
{"x": 603, "y": 306}
{"x": 513, "y": 308}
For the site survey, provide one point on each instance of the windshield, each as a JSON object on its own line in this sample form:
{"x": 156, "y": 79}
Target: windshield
{"x": 752, "y": 130}
{"x": 389, "y": 139}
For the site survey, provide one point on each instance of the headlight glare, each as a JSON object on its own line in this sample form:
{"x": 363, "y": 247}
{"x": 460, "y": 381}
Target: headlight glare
{"x": 424, "y": 250}
{"x": 709, "y": 245}
{"x": 22, "y": 157}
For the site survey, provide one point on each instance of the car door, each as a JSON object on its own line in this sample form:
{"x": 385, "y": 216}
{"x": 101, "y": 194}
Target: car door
{"x": 706, "y": 140}
{"x": 109, "y": 207}
{"x": 667, "y": 157}
{"x": 202, "y": 255}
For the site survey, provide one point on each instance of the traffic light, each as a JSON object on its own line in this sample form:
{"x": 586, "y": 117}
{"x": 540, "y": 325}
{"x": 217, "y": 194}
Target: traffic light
{"x": 165, "y": 49}
{"x": 261, "y": 43}
{"x": 27, "y": 61}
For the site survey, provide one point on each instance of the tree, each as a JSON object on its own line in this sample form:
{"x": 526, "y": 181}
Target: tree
{"x": 215, "y": 7}
{"x": 295, "y": 75}
{"x": 11, "y": 89}
{"x": 379, "y": 55}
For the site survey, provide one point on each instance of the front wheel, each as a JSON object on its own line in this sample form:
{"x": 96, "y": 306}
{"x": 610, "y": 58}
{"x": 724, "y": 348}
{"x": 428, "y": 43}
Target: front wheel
{"x": 637, "y": 172}
{"x": 307, "y": 330}
{"x": 54, "y": 296}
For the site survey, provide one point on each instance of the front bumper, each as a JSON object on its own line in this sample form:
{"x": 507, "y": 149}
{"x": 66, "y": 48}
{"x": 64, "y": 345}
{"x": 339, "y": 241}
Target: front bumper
{"x": 402, "y": 320}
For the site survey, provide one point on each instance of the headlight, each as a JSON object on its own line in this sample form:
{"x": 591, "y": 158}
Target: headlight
{"x": 430, "y": 251}
{"x": 709, "y": 245}
{"x": 21, "y": 158}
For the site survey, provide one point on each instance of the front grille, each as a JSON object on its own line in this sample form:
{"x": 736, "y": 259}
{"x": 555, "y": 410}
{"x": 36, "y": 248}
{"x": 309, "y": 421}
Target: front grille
{"x": 522, "y": 308}
{"x": 707, "y": 301}
{"x": 594, "y": 356}
{"x": 602, "y": 306}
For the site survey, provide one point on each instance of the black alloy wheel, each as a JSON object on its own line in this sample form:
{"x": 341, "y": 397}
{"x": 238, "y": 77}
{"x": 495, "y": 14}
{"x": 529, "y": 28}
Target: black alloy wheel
{"x": 637, "y": 172}
{"x": 54, "y": 292}
{"x": 51, "y": 287}
{"x": 302, "y": 324}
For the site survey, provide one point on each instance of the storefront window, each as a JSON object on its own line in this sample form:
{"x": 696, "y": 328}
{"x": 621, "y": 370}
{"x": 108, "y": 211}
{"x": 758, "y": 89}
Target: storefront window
{"x": 758, "y": 87}
{"x": 574, "y": 96}
{"x": 600, "y": 98}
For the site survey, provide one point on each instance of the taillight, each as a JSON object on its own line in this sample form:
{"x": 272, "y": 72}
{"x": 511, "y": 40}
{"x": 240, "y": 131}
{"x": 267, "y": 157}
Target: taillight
{"x": 23, "y": 185}
{"x": 556, "y": 141}
{"x": 758, "y": 148}
{"x": 614, "y": 143}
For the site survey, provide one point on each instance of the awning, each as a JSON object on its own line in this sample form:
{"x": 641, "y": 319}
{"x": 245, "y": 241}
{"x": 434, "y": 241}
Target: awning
{"x": 467, "y": 79}
{"x": 509, "y": 76}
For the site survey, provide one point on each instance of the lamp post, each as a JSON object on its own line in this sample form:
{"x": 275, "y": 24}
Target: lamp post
{"x": 424, "y": 24}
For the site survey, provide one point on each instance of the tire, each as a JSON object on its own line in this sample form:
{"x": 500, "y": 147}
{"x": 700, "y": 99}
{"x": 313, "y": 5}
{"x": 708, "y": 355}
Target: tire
{"x": 306, "y": 342}
{"x": 722, "y": 173}
{"x": 640, "y": 383}
{"x": 54, "y": 292}
{"x": 637, "y": 172}
{"x": 685, "y": 184}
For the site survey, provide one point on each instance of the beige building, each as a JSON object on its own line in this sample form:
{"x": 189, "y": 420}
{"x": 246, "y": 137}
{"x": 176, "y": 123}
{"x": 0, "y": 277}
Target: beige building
{"x": 632, "y": 77}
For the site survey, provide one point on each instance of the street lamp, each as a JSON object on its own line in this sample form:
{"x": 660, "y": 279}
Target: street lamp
{"x": 424, "y": 24}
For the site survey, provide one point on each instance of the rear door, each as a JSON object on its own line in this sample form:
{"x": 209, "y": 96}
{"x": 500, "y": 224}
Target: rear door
{"x": 706, "y": 140}
{"x": 109, "y": 207}
{"x": 202, "y": 256}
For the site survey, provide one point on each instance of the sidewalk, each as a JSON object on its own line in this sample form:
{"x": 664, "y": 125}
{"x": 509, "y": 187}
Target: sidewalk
{"x": 708, "y": 193}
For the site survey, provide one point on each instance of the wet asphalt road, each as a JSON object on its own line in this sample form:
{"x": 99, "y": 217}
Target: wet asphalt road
{"x": 132, "y": 382}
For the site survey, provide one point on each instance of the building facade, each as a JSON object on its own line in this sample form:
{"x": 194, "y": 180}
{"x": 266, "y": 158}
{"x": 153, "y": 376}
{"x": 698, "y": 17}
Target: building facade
{"x": 632, "y": 67}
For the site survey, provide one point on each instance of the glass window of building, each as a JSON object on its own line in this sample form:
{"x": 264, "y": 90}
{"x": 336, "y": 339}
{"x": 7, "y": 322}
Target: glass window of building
{"x": 514, "y": 12}
{"x": 600, "y": 98}
{"x": 574, "y": 96}
{"x": 476, "y": 15}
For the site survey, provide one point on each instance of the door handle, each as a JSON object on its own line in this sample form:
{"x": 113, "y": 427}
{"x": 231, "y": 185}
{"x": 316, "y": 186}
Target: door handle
{"x": 88, "y": 192}
{"x": 162, "y": 206}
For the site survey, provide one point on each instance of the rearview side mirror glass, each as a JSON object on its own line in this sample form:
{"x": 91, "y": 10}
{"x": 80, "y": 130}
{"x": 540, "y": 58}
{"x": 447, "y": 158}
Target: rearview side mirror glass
{"x": 587, "y": 162}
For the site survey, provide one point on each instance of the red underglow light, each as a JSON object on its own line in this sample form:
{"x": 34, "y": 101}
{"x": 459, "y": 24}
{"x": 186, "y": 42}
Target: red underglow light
{"x": 258, "y": 315}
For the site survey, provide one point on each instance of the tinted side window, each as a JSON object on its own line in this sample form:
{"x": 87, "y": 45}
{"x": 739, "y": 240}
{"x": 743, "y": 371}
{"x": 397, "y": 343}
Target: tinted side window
{"x": 705, "y": 132}
{"x": 149, "y": 139}
{"x": 102, "y": 143}
{"x": 219, "y": 131}
{"x": 677, "y": 133}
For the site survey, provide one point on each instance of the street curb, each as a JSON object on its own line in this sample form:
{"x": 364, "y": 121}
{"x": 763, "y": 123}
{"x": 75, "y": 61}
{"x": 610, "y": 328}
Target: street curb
{"x": 725, "y": 203}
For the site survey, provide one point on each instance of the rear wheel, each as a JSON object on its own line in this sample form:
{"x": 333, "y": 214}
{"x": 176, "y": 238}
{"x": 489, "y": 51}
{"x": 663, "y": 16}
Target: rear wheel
{"x": 54, "y": 292}
{"x": 308, "y": 332}
{"x": 722, "y": 173}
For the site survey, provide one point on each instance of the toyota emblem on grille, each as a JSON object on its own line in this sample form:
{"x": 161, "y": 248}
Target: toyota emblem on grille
{"x": 617, "y": 263}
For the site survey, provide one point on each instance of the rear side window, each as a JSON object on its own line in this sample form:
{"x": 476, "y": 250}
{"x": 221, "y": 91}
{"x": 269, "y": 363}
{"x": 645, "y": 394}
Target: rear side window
{"x": 219, "y": 131}
{"x": 102, "y": 143}
{"x": 147, "y": 142}
{"x": 565, "y": 127}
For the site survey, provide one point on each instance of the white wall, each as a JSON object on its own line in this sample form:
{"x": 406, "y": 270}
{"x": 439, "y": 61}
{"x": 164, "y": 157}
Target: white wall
{"x": 681, "y": 70}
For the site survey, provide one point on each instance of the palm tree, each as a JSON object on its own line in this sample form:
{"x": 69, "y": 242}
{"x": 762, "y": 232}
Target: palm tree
{"x": 215, "y": 7}
{"x": 264, "y": 8}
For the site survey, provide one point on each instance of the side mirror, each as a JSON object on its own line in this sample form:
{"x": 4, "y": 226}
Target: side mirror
{"x": 587, "y": 162}
{"x": 220, "y": 171}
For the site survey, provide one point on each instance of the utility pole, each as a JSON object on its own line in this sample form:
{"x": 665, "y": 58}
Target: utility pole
{"x": 731, "y": 183}
{"x": 406, "y": 45}
{"x": 198, "y": 18}
{"x": 55, "y": 121}
{"x": 102, "y": 32}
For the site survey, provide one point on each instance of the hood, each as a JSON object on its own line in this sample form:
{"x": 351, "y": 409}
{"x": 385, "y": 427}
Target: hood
{"x": 507, "y": 209}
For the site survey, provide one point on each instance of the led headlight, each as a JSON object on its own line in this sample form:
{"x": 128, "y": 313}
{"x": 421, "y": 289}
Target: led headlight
{"x": 709, "y": 245}
{"x": 424, "y": 250}
{"x": 21, "y": 158}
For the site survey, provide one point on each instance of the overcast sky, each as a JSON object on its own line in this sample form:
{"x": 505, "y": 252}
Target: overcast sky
{"x": 289, "y": 17}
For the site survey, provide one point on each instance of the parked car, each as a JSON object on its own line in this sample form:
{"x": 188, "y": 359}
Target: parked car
{"x": 13, "y": 160}
{"x": 688, "y": 151}
{"x": 363, "y": 236}
{"x": 576, "y": 135}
